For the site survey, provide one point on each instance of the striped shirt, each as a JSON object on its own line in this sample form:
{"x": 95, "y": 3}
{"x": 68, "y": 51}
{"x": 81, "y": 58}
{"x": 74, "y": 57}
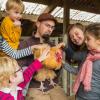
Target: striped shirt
{"x": 27, "y": 74}
{"x": 17, "y": 54}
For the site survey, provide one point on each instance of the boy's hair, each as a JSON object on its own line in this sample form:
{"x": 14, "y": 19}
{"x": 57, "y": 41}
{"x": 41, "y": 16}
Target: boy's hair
{"x": 7, "y": 68}
{"x": 15, "y": 4}
{"x": 94, "y": 30}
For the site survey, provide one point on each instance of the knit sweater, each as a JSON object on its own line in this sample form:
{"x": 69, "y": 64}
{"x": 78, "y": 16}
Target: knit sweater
{"x": 27, "y": 74}
{"x": 10, "y": 32}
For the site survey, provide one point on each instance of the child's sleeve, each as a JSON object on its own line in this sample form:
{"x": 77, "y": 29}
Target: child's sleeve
{"x": 9, "y": 31}
{"x": 17, "y": 54}
{"x": 70, "y": 68}
{"x": 69, "y": 52}
{"x": 28, "y": 73}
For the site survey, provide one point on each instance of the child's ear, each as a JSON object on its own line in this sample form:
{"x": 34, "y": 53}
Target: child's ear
{"x": 12, "y": 78}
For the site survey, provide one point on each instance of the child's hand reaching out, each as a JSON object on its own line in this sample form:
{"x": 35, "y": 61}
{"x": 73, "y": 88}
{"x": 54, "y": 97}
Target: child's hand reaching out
{"x": 45, "y": 54}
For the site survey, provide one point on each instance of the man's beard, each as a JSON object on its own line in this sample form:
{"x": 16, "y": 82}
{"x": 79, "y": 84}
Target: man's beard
{"x": 46, "y": 39}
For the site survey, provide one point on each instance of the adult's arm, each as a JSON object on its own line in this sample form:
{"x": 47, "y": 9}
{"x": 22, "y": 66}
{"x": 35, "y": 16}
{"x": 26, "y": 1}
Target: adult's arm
{"x": 70, "y": 68}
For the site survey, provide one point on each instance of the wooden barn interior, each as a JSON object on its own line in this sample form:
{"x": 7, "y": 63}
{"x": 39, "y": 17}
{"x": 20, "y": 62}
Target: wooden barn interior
{"x": 66, "y": 12}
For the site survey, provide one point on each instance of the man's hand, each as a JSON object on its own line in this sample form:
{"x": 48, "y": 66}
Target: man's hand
{"x": 60, "y": 45}
{"x": 39, "y": 46}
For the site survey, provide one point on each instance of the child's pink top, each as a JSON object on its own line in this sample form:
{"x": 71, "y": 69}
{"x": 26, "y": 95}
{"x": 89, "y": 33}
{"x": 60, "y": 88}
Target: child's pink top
{"x": 28, "y": 73}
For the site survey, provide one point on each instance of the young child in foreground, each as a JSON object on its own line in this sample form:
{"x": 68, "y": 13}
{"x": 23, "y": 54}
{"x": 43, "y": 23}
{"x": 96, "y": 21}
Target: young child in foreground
{"x": 13, "y": 79}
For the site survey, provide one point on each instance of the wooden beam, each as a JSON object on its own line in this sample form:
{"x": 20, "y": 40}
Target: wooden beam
{"x": 52, "y": 6}
{"x": 30, "y": 17}
{"x": 0, "y": 15}
{"x": 76, "y": 5}
{"x": 97, "y": 3}
{"x": 85, "y": 8}
{"x": 49, "y": 9}
{"x": 45, "y": 2}
{"x": 34, "y": 18}
{"x": 65, "y": 75}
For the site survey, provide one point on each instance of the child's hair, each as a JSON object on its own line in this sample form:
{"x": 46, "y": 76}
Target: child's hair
{"x": 7, "y": 68}
{"x": 15, "y": 4}
{"x": 82, "y": 28}
{"x": 76, "y": 25}
{"x": 94, "y": 30}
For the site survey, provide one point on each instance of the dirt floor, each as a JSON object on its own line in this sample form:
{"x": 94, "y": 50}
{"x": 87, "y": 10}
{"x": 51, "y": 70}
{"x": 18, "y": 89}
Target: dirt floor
{"x": 71, "y": 98}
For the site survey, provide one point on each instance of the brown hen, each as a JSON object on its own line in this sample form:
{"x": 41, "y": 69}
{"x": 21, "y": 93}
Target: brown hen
{"x": 53, "y": 62}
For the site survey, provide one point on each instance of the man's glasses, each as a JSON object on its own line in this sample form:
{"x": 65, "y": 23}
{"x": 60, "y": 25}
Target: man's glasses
{"x": 49, "y": 26}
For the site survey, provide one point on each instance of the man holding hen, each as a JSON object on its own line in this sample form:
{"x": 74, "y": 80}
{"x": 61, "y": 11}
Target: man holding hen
{"x": 45, "y": 25}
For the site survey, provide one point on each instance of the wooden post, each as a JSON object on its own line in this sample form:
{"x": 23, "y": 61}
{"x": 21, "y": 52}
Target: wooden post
{"x": 66, "y": 75}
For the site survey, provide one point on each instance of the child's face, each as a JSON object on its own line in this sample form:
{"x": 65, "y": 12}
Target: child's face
{"x": 18, "y": 75}
{"x": 15, "y": 14}
{"x": 92, "y": 43}
{"x": 76, "y": 36}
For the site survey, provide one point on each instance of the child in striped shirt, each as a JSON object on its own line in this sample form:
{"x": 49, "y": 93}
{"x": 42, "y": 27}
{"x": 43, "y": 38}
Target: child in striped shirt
{"x": 10, "y": 30}
{"x": 5, "y": 48}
